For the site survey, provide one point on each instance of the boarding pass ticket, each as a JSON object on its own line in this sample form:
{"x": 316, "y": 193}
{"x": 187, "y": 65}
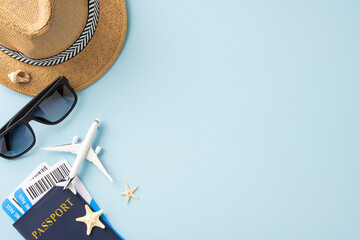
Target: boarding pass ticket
{"x": 37, "y": 184}
{"x": 10, "y": 205}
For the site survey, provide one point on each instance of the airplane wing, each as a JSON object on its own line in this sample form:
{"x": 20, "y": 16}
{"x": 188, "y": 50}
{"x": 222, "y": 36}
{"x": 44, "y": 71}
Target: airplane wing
{"x": 72, "y": 147}
{"x": 93, "y": 157}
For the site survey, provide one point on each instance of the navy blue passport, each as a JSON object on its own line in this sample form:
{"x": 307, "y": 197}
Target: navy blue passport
{"x": 53, "y": 218}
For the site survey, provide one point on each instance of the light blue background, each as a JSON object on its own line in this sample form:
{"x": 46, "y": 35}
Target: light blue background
{"x": 237, "y": 119}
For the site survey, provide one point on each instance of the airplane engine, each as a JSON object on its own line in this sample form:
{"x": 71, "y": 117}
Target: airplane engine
{"x": 75, "y": 139}
{"x": 98, "y": 150}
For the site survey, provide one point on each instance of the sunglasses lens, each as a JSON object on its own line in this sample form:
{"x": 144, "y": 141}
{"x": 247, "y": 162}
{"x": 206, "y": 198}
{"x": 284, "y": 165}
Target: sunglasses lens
{"x": 16, "y": 141}
{"x": 55, "y": 106}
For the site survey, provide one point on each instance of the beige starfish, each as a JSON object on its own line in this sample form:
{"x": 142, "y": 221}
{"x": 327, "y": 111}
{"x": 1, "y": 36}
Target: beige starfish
{"x": 91, "y": 219}
{"x": 129, "y": 193}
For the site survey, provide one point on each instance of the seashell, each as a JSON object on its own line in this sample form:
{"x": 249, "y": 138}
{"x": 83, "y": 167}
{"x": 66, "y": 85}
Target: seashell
{"x": 19, "y": 76}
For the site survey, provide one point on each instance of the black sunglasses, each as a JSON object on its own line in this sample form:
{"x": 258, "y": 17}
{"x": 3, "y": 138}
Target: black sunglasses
{"x": 50, "y": 106}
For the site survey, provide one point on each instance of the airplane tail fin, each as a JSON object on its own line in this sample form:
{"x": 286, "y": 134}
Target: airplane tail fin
{"x": 67, "y": 184}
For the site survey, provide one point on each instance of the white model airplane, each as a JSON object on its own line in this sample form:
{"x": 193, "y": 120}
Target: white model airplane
{"x": 82, "y": 150}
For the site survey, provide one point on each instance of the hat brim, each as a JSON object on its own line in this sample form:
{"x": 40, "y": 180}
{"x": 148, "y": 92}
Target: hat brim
{"x": 86, "y": 67}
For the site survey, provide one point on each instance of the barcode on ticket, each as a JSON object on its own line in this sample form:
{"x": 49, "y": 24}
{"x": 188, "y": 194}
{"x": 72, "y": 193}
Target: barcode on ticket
{"x": 43, "y": 169}
{"x": 47, "y": 181}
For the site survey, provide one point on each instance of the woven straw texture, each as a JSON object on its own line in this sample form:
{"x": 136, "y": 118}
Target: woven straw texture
{"x": 82, "y": 70}
{"x": 28, "y": 17}
{"x": 43, "y": 30}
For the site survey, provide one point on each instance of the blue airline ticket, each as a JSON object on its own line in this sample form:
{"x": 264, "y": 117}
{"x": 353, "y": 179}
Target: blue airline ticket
{"x": 29, "y": 193}
{"x": 11, "y": 210}
{"x": 10, "y": 205}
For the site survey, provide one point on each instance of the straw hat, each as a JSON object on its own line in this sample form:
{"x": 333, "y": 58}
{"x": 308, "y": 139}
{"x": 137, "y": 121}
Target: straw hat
{"x": 79, "y": 39}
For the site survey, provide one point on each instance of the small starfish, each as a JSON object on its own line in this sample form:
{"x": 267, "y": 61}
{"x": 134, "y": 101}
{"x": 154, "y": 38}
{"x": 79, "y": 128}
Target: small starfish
{"x": 129, "y": 193}
{"x": 91, "y": 219}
